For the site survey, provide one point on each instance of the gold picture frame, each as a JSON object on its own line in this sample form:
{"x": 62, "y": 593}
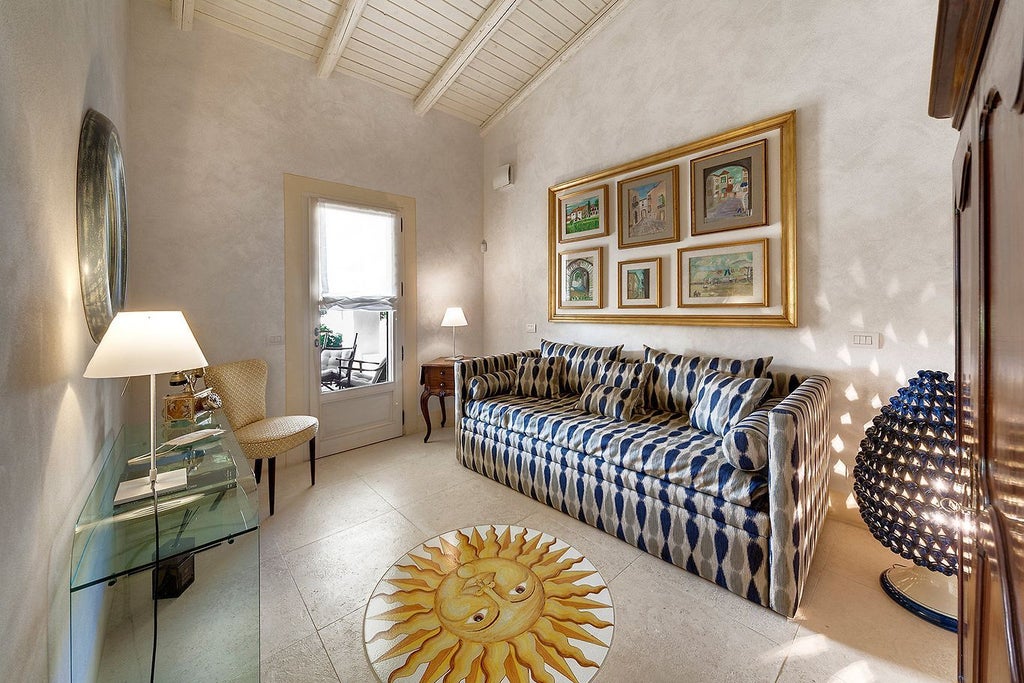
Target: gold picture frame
{"x": 640, "y": 286}
{"x": 781, "y": 230}
{"x": 581, "y": 278}
{"x": 724, "y": 274}
{"x": 649, "y": 208}
{"x": 577, "y": 211}
{"x": 729, "y": 189}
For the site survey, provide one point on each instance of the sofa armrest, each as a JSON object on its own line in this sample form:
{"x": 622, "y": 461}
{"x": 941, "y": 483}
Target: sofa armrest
{"x": 798, "y": 474}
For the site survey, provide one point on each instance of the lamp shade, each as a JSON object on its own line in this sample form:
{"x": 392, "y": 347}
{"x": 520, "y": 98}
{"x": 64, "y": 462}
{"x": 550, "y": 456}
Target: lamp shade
{"x": 454, "y": 317}
{"x": 145, "y": 343}
{"x": 907, "y": 480}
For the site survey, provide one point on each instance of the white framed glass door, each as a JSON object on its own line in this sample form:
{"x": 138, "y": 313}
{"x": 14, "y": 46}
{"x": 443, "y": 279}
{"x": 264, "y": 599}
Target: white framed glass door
{"x": 356, "y": 299}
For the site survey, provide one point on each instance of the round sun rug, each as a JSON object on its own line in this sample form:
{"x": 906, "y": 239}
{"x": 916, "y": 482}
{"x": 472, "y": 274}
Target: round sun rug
{"x": 488, "y": 604}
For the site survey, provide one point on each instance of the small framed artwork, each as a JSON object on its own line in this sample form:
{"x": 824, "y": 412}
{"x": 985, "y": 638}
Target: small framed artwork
{"x": 649, "y": 208}
{"x": 583, "y": 214}
{"x": 728, "y": 190}
{"x": 731, "y": 274}
{"x": 581, "y": 283}
{"x": 640, "y": 283}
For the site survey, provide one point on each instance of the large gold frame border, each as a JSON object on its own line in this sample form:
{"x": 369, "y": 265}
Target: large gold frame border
{"x": 786, "y": 125}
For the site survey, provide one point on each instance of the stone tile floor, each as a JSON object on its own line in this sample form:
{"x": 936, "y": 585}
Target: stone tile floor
{"x": 324, "y": 550}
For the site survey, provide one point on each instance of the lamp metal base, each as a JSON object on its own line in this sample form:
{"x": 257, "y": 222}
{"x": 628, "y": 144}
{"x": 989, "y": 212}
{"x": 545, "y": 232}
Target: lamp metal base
{"x": 137, "y": 489}
{"x": 927, "y": 594}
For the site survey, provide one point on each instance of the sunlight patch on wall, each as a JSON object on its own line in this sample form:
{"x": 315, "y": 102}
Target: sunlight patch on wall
{"x": 890, "y": 333}
{"x": 928, "y": 293}
{"x": 873, "y": 366}
{"x": 922, "y": 338}
{"x": 844, "y": 355}
{"x": 838, "y": 445}
{"x": 807, "y": 339}
{"x": 841, "y": 469}
{"x": 892, "y": 289}
{"x": 846, "y": 419}
{"x": 851, "y": 502}
{"x": 851, "y": 392}
{"x": 857, "y": 320}
{"x": 901, "y": 376}
{"x": 876, "y": 402}
{"x": 821, "y": 299}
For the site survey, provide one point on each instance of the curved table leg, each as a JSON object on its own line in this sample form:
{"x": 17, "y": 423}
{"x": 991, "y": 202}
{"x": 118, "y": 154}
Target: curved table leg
{"x": 444, "y": 415}
{"x": 426, "y": 412}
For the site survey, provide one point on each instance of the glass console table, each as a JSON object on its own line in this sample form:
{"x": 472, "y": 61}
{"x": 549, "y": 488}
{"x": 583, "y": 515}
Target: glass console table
{"x": 208, "y": 539}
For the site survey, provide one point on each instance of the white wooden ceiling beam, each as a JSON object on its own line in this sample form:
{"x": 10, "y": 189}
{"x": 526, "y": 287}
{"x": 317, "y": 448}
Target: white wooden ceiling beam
{"x": 591, "y": 29}
{"x": 183, "y": 13}
{"x": 485, "y": 27}
{"x": 348, "y": 18}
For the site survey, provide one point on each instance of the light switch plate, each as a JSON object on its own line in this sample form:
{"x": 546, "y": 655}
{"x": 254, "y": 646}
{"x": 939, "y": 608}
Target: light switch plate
{"x": 860, "y": 339}
{"x": 531, "y": 328}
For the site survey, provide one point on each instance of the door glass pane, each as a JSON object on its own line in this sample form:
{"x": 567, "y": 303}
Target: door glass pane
{"x": 358, "y": 293}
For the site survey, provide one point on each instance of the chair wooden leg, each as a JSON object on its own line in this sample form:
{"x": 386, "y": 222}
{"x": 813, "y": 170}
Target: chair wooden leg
{"x": 271, "y": 467}
{"x": 312, "y": 461}
{"x": 258, "y": 469}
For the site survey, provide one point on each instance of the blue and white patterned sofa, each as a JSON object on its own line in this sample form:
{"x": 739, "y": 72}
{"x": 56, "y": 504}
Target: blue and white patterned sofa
{"x": 659, "y": 484}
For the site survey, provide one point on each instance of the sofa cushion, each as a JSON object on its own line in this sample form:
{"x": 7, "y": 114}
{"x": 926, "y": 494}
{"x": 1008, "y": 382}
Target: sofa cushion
{"x": 617, "y": 403}
{"x": 659, "y": 444}
{"x": 624, "y": 373}
{"x": 745, "y": 446}
{"x": 500, "y": 382}
{"x": 581, "y": 362}
{"x": 540, "y": 377}
{"x": 675, "y": 378}
{"x": 724, "y": 399}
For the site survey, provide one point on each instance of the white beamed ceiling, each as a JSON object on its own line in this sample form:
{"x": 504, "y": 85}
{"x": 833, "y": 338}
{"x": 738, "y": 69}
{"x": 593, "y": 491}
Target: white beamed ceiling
{"x": 402, "y": 44}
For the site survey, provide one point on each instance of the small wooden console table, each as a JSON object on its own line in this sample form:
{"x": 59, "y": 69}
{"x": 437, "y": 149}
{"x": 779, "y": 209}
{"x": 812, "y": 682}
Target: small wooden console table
{"x": 438, "y": 379}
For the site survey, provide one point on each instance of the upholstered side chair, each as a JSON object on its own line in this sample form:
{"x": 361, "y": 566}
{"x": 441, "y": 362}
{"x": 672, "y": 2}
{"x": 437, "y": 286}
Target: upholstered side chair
{"x": 242, "y": 386}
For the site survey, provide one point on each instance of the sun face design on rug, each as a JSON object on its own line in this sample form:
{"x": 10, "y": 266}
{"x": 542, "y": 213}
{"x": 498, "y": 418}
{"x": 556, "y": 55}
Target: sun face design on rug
{"x": 489, "y": 604}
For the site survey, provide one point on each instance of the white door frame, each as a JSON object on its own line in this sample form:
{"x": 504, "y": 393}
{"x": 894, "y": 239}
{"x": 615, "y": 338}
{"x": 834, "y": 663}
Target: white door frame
{"x": 298, "y": 191}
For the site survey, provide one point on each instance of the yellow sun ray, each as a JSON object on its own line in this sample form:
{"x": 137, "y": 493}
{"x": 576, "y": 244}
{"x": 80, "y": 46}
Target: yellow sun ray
{"x": 477, "y": 541}
{"x": 447, "y": 562}
{"x": 493, "y": 663}
{"x": 516, "y": 672}
{"x": 534, "y": 556}
{"x": 454, "y": 553}
{"x": 578, "y": 602}
{"x": 466, "y": 550}
{"x": 425, "y": 563}
{"x": 431, "y": 648}
{"x": 402, "y": 612}
{"x": 569, "y": 589}
{"x": 411, "y": 642}
{"x": 529, "y": 653}
{"x": 572, "y": 577}
{"x": 549, "y": 571}
{"x": 412, "y": 584}
{"x": 462, "y": 662}
{"x": 515, "y": 547}
{"x": 558, "y": 613}
{"x": 476, "y": 670}
{"x": 419, "y": 623}
{"x": 560, "y": 644}
{"x": 439, "y": 665}
{"x": 429, "y": 574}
{"x": 505, "y": 540}
{"x": 491, "y": 547}
{"x": 423, "y": 598}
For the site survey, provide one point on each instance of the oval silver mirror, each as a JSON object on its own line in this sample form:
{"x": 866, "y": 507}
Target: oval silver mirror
{"x": 102, "y": 222}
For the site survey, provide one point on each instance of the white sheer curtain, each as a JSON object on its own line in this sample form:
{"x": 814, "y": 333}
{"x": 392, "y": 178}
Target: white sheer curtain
{"x": 357, "y": 257}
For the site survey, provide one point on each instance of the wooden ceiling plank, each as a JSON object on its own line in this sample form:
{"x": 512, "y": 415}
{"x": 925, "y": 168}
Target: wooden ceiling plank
{"x": 537, "y": 33}
{"x": 485, "y": 27}
{"x": 463, "y": 90}
{"x": 454, "y": 99}
{"x": 412, "y": 73}
{"x": 503, "y": 70}
{"x": 559, "y": 13}
{"x": 403, "y": 34}
{"x": 427, "y": 14}
{"x": 506, "y": 49}
{"x": 342, "y": 32}
{"x": 370, "y": 75}
{"x": 551, "y": 30}
{"x": 183, "y": 13}
{"x": 305, "y": 51}
{"x": 306, "y": 11}
{"x": 463, "y": 12}
{"x": 476, "y": 120}
{"x": 388, "y": 41}
{"x": 370, "y": 62}
{"x": 418, "y": 23}
{"x": 593, "y": 27}
{"x": 502, "y": 87}
{"x": 577, "y": 9}
{"x": 274, "y": 16}
{"x": 304, "y": 45}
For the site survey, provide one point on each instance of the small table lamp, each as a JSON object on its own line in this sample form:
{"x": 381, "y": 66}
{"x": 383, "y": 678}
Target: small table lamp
{"x": 147, "y": 343}
{"x": 454, "y": 317}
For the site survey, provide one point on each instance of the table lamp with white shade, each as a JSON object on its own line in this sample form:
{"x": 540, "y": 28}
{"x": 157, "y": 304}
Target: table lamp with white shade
{"x": 454, "y": 317}
{"x": 150, "y": 343}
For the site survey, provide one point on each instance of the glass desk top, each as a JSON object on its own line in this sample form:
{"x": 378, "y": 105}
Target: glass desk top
{"x": 218, "y": 503}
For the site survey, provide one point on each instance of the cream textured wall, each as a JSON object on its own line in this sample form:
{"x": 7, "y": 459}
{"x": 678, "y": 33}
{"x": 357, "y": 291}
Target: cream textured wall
{"x": 217, "y": 121}
{"x": 875, "y": 235}
{"x": 57, "y": 59}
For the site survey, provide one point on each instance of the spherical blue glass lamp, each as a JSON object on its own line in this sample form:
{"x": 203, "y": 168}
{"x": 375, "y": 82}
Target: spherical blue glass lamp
{"x": 908, "y": 484}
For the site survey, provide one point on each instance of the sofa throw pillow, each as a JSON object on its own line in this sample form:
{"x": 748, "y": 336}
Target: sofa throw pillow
{"x": 492, "y": 384}
{"x": 745, "y": 446}
{"x": 675, "y": 378}
{"x": 723, "y": 400}
{"x": 618, "y": 403}
{"x": 624, "y": 373}
{"x": 540, "y": 377}
{"x": 581, "y": 362}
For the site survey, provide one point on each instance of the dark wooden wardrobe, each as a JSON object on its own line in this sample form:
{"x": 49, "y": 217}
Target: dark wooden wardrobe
{"x": 978, "y": 82}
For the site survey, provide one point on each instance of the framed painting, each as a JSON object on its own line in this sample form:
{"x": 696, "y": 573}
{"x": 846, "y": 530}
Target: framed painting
{"x": 640, "y": 283}
{"x": 580, "y": 278}
{"x": 649, "y": 208}
{"x": 731, "y": 274}
{"x": 728, "y": 190}
{"x": 583, "y": 214}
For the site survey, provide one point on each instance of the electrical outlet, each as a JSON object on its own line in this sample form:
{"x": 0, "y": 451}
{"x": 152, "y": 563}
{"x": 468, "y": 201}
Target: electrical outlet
{"x": 864, "y": 340}
{"x": 531, "y": 328}
{"x": 275, "y": 340}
